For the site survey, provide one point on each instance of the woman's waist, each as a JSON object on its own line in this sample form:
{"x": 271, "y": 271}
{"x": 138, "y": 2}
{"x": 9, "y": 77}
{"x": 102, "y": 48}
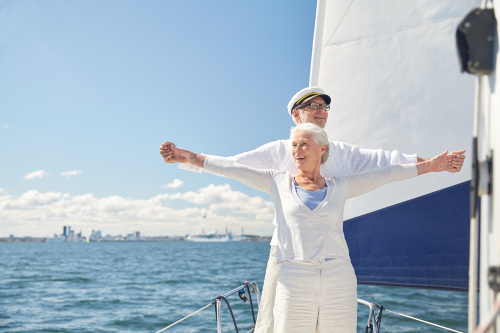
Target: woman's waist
{"x": 314, "y": 264}
{"x": 341, "y": 254}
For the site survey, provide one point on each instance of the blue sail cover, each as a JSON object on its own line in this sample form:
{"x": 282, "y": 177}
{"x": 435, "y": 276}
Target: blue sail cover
{"x": 419, "y": 243}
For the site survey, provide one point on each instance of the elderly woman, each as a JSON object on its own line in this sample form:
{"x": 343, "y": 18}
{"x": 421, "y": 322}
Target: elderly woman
{"x": 317, "y": 285}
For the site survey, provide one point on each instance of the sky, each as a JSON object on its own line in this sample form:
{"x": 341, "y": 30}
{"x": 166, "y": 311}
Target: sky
{"x": 89, "y": 90}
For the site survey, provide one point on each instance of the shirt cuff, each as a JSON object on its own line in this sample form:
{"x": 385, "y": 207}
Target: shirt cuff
{"x": 408, "y": 158}
{"x": 410, "y": 171}
{"x": 190, "y": 167}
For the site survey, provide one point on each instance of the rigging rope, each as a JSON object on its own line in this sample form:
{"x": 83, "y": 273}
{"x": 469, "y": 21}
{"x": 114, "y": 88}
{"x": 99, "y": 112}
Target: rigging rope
{"x": 178, "y": 321}
{"x": 251, "y": 304}
{"x": 423, "y": 321}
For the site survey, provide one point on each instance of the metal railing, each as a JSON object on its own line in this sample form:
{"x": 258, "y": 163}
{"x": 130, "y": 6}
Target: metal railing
{"x": 246, "y": 290}
{"x": 374, "y": 321}
{"x": 241, "y": 293}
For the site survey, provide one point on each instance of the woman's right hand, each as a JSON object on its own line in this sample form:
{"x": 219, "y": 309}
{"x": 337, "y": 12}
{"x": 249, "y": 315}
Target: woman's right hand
{"x": 173, "y": 154}
{"x": 180, "y": 155}
{"x": 166, "y": 151}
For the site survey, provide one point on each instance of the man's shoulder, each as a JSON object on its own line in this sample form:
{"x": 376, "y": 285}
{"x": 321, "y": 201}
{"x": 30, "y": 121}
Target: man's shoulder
{"x": 341, "y": 148}
{"x": 341, "y": 145}
{"x": 274, "y": 144}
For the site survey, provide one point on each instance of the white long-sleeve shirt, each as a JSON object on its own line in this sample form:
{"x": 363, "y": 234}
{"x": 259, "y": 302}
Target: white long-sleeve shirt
{"x": 304, "y": 234}
{"x": 344, "y": 160}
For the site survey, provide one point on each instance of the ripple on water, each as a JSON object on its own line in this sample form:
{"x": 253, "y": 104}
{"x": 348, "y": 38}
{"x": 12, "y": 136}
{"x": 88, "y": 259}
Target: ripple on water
{"x": 75, "y": 280}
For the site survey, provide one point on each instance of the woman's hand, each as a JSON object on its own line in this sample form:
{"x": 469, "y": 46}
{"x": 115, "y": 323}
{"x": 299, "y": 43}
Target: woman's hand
{"x": 457, "y": 162}
{"x": 180, "y": 155}
{"x": 173, "y": 154}
{"x": 166, "y": 151}
{"x": 441, "y": 162}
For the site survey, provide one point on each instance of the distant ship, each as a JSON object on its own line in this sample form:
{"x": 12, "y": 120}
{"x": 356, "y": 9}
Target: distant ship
{"x": 212, "y": 236}
{"x": 56, "y": 239}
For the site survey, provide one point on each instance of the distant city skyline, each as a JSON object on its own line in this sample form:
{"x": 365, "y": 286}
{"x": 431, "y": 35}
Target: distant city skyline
{"x": 68, "y": 231}
{"x": 69, "y": 236}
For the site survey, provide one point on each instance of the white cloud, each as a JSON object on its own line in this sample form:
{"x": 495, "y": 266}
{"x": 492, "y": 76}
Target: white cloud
{"x": 223, "y": 198}
{"x": 41, "y": 214}
{"x": 175, "y": 184}
{"x": 71, "y": 173}
{"x": 5, "y": 126}
{"x": 36, "y": 174}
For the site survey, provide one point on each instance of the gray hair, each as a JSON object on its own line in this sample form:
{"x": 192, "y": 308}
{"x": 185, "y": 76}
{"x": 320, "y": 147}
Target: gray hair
{"x": 318, "y": 134}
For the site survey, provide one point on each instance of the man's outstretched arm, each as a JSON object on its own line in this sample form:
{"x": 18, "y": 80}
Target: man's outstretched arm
{"x": 363, "y": 160}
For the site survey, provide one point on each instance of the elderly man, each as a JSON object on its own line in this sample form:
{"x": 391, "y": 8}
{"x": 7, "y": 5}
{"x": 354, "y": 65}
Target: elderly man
{"x": 310, "y": 105}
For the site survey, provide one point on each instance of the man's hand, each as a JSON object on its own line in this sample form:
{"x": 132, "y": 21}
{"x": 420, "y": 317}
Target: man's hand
{"x": 457, "y": 161}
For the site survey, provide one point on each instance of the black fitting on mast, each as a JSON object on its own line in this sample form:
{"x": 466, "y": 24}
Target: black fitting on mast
{"x": 494, "y": 278}
{"x": 474, "y": 37}
{"x": 474, "y": 181}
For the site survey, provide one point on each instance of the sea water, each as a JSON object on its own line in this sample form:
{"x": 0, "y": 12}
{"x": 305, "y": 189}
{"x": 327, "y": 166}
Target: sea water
{"x": 145, "y": 286}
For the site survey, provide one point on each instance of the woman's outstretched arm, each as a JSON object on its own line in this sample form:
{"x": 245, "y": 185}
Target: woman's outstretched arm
{"x": 361, "y": 184}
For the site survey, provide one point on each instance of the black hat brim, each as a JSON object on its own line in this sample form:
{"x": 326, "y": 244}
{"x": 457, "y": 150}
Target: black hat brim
{"x": 326, "y": 98}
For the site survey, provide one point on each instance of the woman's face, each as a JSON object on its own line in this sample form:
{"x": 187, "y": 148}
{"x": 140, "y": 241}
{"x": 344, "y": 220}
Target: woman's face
{"x": 305, "y": 151}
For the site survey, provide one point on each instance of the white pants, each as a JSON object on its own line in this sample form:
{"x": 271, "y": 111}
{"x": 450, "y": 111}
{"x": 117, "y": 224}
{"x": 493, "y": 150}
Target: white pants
{"x": 343, "y": 286}
{"x": 316, "y": 296}
{"x": 265, "y": 318}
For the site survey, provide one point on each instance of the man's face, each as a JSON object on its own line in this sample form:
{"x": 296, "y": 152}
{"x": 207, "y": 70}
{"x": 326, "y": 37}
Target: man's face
{"x": 308, "y": 115}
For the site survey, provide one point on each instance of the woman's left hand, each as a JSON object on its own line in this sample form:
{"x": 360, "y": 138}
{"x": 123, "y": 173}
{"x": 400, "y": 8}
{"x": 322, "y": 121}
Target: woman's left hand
{"x": 442, "y": 162}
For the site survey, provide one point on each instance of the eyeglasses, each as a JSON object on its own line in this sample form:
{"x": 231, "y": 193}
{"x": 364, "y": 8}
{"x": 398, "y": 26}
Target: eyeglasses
{"x": 315, "y": 106}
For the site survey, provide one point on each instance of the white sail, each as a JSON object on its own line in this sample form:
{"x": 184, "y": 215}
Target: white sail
{"x": 392, "y": 71}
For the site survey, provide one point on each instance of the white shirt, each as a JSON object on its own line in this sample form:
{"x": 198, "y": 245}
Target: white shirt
{"x": 304, "y": 234}
{"x": 344, "y": 160}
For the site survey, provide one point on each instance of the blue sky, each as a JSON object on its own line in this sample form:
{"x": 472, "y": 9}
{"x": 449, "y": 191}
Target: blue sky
{"x": 95, "y": 87}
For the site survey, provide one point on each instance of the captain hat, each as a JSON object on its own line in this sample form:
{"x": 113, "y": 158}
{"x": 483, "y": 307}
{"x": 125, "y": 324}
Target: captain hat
{"x": 306, "y": 94}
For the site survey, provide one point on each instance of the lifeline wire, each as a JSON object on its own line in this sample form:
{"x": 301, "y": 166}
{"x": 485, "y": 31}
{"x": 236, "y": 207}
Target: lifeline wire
{"x": 423, "y": 321}
{"x": 178, "y": 321}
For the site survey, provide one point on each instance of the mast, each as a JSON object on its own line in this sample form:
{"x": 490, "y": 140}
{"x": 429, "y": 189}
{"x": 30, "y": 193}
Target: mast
{"x": 477, "y": 42}
{"x": 488, "y": 138}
